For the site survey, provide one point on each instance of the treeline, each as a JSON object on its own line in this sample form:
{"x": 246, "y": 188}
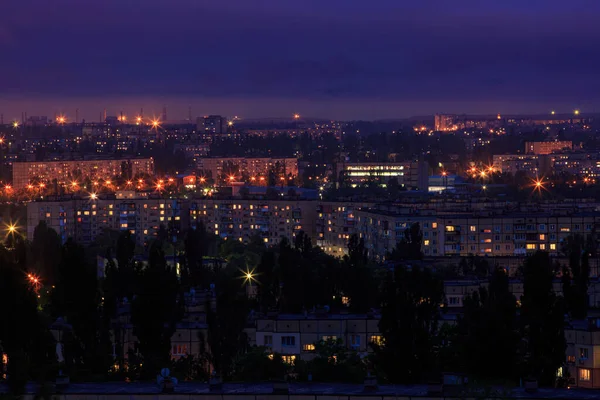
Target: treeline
{"x": 47, "y": 287}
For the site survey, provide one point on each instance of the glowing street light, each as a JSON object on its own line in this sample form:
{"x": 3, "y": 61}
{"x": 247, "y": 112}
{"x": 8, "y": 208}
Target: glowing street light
{"x": 248, "y": 276}
{"x": 93, "y": 196}
{"x": 552, "y": 112}
{"x": 296, "y": 116}
{"x": 155, "y": 124}
{"x": 576, "y": 112}
{"x": 61, "y": 119}
{"x": 12, "y": 229}
{"x": 231, "y": 178}
{"x": 15, "y": 124}
{"x": 230, "y": 123}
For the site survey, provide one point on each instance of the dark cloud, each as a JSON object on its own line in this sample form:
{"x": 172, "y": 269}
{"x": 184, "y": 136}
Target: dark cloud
{"x": 403, "y": 56}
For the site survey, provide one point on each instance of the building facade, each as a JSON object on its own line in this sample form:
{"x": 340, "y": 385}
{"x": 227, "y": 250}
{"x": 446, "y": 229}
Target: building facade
{"x": 64, "y": 172}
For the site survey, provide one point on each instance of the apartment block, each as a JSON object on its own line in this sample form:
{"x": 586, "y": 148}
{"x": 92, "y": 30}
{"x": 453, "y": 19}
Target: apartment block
{"x": 336, "y": 222}
{"x": 85, "y": 219}
{"x": 241, "y": 219}
{"x": 64, "y": 172}
{"x": 583, "y": 352}
{"x": 294, "y": 336}
{"x": 245, "y": 168}
{"x": 484, "y": 233}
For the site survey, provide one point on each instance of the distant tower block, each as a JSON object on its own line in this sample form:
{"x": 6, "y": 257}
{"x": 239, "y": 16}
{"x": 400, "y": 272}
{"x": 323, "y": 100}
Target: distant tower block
{"x": 164, "y": 114}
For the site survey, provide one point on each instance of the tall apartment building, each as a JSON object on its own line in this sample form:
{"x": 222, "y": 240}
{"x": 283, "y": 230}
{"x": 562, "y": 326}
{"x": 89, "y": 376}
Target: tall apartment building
{"x": 336, "y": 222}
{"x": 85, "y": 220}
{"x": 247, "y": 167}
{"x": 242, "y": 219}
{"x": 445, "y": 122}
{"x": 547, "y": 147}
{"x": 478, "y": 233}
{"x": 211, "y": 125}
{"x": 65, "y": 171}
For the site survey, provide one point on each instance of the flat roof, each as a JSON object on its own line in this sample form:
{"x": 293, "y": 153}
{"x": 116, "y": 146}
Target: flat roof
{"x": 326, "y": 389}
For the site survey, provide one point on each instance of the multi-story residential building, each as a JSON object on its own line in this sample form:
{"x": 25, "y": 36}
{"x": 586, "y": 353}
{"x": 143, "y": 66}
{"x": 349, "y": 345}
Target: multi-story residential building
{"x": 251, "y": 169}
{"x": 583, "y": 352}
{"x": 480, "y": 233}
{"x": 65, "y": 171}
{"x": 294, "y": 336}
{"x": 242, "y": 219}
{"x": 547, "y": 147}
{"x": 533, "y": 165}
{"x": 336, "y": 222}
{"x": 85, "y": 219}
{"x": 211, "y": 125}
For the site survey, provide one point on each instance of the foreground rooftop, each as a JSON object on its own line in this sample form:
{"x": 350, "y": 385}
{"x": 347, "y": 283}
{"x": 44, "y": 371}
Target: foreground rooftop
{"x": 302, "y": 389}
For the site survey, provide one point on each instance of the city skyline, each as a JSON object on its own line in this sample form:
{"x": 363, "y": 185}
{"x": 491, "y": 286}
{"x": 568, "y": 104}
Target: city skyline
{"x": 337, "y": 60}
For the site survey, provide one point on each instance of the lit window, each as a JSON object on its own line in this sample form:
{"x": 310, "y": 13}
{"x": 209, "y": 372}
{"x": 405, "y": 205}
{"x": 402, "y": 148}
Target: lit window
{"x": 473, "y": 228}
{"x": 434, "y": 225}
{"x": 376, "y": 339}
{"x": 289, "y": 359}
{"x": 584, "y": 374}
{"x": 542, "y": 237}
{"x": 308, "y": 347}
{"x": 425, "y": 242}
{"x": 552, "y": 246}
{"x": 449, "y": 228}
{"x": 542, "y": 246}
{"x": 531, "y": 246}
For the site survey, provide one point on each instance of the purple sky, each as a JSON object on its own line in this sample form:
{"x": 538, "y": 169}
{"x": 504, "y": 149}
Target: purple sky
{"x": 344, "y": 59}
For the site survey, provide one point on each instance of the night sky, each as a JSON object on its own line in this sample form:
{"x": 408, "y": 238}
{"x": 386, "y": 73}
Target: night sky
{"x": 345, "y": 59}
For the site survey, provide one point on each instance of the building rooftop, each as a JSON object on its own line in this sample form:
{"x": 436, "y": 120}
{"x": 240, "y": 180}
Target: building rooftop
{"x": 329, "y": 389}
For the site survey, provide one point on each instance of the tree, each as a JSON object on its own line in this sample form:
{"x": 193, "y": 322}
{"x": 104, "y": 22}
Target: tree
{"x": 24, "y": 335}
{"x": 335, "y": 363}
{"x": 77, "y": 298}
{"x": 488, "y": 330}
{"x": 258, "y": 365}
{"x": 155, "y": 311}
{"x": 542, "y": 320}
{"x": 576, "y": 292}
{"x": 268, "y": 287}
{"x": 409, "y": 247}
{"x": 358, "y": 281}
{"x": 46, "y": 251}
{"x": 225, "y": 339}
{"x": 409, "y": 324}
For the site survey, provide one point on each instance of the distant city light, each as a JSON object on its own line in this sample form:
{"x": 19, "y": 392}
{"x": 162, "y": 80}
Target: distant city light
{"x": 576, "y": 112}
